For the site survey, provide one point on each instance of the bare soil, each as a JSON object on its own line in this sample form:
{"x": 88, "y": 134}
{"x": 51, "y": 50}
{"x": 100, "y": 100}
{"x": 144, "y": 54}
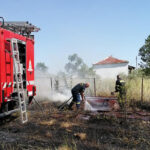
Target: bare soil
{"x": 71, "y": 130}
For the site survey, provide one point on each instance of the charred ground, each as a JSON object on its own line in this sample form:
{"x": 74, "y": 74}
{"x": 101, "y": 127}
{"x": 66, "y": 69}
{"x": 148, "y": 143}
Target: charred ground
{"x": 71, "y": 130}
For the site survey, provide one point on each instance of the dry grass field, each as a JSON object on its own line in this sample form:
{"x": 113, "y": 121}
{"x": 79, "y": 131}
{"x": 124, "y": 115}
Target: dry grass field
{"x": 71, "y": 130}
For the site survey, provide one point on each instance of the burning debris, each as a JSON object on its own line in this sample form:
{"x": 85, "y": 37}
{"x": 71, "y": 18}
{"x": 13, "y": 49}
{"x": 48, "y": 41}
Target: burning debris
{"x": 55, "y": 129}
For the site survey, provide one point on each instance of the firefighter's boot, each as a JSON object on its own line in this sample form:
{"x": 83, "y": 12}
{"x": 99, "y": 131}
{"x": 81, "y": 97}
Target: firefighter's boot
{"x": 70, "y": 106}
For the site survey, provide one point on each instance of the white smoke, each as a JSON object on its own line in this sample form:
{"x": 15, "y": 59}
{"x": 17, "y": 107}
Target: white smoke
{"x": 46, "y": 92}
{"x": 55, "y": 96}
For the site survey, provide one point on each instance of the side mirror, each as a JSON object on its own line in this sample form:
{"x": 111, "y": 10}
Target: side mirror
{"x": 1, "y": 21}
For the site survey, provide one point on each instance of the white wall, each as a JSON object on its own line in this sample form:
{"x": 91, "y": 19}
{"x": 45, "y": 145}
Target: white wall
{"x": 111, "y": 70}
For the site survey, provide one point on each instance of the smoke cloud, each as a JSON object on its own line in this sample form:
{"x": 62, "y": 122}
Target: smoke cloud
{"x": 46, "y": 91}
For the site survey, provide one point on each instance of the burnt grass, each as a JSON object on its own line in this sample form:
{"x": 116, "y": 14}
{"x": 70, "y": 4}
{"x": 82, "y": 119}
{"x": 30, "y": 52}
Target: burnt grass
{"x": 71, "y": 130}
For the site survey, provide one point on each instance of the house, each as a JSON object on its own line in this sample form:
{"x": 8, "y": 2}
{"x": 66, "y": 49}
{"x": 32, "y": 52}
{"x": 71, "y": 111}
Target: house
{"x": 111, "y": 67}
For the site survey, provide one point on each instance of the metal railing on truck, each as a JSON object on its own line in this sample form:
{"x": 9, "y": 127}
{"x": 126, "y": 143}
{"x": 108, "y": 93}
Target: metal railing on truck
{"x": 20, "y": 27}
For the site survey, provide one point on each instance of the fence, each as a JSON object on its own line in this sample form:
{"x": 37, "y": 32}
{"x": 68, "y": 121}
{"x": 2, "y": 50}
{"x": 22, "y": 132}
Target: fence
{"x": 138, "y": 88}
{"x": 46, "y": 86}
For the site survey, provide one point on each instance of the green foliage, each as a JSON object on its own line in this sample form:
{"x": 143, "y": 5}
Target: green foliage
{"x": 40, "y": 66}
{"x": 144, "y": 52}
{"x": 76, "y": 66}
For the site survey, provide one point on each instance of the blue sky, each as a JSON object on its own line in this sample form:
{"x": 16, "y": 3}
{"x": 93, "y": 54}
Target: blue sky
{"x": 94, "y": 29}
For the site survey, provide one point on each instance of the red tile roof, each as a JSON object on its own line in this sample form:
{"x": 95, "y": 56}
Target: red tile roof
{"x": 111, "y": 60}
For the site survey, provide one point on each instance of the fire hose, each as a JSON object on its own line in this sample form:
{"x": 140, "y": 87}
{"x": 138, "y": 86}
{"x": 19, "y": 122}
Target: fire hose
{"x": 38, "y": 104}
{"x": 62, "y": 105}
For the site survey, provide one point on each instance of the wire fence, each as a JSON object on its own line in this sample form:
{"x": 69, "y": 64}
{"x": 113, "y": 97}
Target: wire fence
{"x": 138, "y": 88}
{"x": 47, "y": 85}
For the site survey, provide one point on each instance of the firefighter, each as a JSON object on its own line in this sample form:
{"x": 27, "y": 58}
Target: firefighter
{"x": 120, "y": 87}
{"x": 78, "y": 91}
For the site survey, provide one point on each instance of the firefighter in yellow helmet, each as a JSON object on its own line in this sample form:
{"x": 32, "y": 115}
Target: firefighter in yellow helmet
{"x": 120, "y": 87}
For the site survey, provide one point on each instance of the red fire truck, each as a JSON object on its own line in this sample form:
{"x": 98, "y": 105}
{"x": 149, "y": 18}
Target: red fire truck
{"x": 16, "y": 67}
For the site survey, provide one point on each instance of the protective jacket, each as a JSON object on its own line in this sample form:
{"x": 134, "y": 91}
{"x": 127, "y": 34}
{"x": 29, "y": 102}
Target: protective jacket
{"x": 79, "y": 88}
{"x": 119, "y": 85}
{"x": 76, "y": 91}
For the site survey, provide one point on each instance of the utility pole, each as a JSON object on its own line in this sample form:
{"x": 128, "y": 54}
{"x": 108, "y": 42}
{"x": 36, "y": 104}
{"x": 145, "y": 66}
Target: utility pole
{"x": 142, "y": 90}
{"x": 136, "y": 62}
{"x": 94, "y": 87}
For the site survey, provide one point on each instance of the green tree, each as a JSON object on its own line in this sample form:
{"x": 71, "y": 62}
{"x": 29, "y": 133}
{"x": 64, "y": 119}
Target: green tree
{"x": 76, "y": 66}
{"x": 40, "y": 66}
{"x": 144, "y": 53}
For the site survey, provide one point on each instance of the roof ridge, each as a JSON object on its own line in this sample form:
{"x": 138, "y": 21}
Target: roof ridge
{"x": 111, "y": 60}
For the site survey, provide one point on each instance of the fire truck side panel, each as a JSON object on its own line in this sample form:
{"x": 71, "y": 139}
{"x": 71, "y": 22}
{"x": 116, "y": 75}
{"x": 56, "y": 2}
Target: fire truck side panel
{"x": 30, "y": 67}
{"x": 6, "y": 64}
{"x": 8, "y": 70}
{"x": 6, "y": 67}
{"x": 1, "y": 48}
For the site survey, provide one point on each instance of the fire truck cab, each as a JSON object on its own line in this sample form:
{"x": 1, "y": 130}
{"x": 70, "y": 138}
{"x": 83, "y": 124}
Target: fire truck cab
{"x": 16, "y": 65}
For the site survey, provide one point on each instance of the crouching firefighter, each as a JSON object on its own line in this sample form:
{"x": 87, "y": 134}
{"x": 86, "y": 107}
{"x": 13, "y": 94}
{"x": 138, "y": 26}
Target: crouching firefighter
{"x": 78, "y": 91}
{"x": 120, "y": 87}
